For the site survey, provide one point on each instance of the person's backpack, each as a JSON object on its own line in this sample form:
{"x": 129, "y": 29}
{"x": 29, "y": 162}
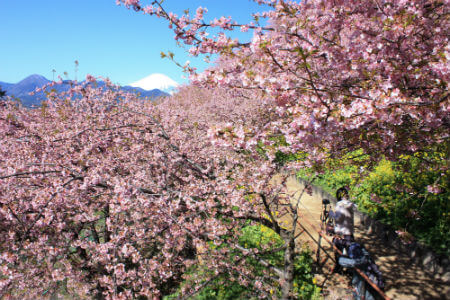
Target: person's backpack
{"x": 374, "y": 274}
{"x": 356, "y": 251}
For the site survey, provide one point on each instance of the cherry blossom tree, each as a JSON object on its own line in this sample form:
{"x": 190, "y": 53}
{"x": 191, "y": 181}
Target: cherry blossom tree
{"x": 107, "y": 196}
{"x": 345, "y": 75}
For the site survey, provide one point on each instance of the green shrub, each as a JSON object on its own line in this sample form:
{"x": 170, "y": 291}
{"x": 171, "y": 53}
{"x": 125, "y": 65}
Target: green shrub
{"x": 411, "y": 195}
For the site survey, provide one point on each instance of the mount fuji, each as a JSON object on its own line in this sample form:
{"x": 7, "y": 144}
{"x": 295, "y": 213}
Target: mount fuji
{"x": 156, "y": 81}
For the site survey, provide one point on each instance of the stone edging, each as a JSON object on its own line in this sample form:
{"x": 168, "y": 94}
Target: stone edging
{"x": 437, "y": 265}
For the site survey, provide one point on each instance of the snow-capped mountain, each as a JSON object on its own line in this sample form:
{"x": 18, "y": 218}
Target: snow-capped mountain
{"x": 156, "y": 81}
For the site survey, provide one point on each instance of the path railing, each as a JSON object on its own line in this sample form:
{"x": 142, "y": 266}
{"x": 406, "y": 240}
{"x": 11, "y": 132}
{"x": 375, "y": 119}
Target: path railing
{"x": 325, "y": 237}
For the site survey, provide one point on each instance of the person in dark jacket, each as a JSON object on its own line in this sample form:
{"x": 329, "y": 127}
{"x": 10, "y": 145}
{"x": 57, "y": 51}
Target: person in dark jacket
{"x": 358, "y": 257}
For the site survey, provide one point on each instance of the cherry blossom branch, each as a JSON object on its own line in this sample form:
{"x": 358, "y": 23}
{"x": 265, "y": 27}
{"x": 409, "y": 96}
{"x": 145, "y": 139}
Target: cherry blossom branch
{"x": 244, "y": 250}
{"x": 164, "y": 135}
{"x": 29, "y": 173}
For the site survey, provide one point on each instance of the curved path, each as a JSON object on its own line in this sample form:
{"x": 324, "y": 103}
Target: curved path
{"x": 404, "y": 279}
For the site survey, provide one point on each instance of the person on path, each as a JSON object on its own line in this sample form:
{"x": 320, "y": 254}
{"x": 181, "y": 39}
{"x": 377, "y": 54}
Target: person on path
{"x": 343, "y": 216}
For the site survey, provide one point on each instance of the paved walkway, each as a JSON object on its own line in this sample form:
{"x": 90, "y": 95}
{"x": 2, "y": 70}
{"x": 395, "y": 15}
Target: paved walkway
{"x": 404, "y": 279}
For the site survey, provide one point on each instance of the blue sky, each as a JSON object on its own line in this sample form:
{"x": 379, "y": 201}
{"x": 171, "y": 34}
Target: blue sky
{"x": 38, "y": 36}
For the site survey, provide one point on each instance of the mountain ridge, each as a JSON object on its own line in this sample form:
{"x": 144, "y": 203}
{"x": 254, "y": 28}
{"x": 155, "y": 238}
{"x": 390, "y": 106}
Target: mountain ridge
{"x": 23, "y": 88}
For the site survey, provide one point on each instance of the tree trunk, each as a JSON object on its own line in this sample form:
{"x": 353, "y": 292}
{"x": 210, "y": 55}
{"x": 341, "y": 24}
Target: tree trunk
{"x": 289, "y": 256}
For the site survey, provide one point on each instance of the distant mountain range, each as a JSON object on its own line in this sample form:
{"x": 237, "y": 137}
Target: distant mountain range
{"x": 23, "y": 89}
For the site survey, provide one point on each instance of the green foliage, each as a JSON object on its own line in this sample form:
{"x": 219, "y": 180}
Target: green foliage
{"x": 281, "y": 157}
{"x": 257, "y": 236}
{"x": 261, "y": 238}
{"x": 304, "y": 283}
{"x": 411, "y": 195}
{"x": 222, "y": 287}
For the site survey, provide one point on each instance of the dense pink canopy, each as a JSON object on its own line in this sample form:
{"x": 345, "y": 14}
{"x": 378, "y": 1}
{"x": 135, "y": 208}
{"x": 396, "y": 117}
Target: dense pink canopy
{"x": 113, "y": 196}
